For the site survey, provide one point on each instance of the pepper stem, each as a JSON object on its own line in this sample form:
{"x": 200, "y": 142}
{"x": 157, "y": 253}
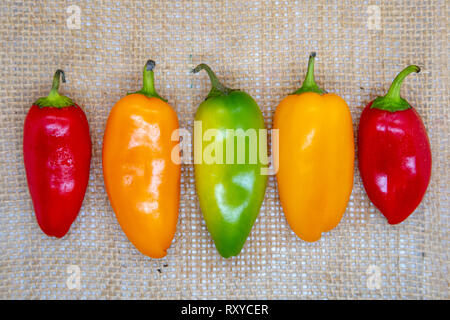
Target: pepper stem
{"x": 148, "y": 85}
{"x": 392, "y": 101}
{"x": 55, "y": 84}
{"x": 217, "y": 89}
{"x": 54, "y": 99}
{"x": 309, "y": 85}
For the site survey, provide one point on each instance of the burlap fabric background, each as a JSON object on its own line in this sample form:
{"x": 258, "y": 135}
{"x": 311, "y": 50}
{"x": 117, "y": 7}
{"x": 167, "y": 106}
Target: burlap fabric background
{"x": 261, "y": 47}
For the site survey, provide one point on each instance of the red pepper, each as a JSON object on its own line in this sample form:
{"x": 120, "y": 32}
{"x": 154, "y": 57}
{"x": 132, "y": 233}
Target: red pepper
{"x": 57, "y": 155}
{"x": 394, "y": 153}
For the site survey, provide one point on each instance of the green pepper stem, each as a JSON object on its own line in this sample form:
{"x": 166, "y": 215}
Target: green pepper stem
{"x": 148, "y": 84}
{"x": 309, "y": 84}
{"x": 394, "y": 90}
{"x": 54, "y": 99}
{"x": 392, "y": 101}
{"x": 217, "y": 88}
{"x": 55, "y": 84}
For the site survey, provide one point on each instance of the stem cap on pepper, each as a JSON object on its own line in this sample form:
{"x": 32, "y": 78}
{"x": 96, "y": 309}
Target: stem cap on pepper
{"x": 148, "y": 86}
{"x": 217, "y": 88}
{"x": 309, "y": 85}
{"x": 54, "y": 99}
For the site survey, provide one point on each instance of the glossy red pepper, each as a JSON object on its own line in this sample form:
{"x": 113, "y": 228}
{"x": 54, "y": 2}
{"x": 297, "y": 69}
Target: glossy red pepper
{"x": 394, "y": 153}
{"x": 57, "y": 155}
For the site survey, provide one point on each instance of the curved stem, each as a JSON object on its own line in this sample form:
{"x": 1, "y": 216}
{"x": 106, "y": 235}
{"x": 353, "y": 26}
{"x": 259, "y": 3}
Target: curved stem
{"x": 394, "y": 90}
{"x": 309, "y": 84}
{"x": 54, "y": 99}
{"x": 148, "y": 85}
{"x": 392, "y": 101}
{"x": 217, "y": 89}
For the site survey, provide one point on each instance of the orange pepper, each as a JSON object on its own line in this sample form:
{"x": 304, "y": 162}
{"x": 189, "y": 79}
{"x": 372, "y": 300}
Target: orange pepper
{"x": 141, "y": 178}
{"x": 315, "y": 158}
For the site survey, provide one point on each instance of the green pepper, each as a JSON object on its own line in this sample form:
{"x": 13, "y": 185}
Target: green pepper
{"x": 230, "y": 187}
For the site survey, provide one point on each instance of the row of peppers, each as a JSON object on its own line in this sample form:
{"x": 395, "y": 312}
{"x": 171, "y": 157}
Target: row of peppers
{"x": 315, "y": 175}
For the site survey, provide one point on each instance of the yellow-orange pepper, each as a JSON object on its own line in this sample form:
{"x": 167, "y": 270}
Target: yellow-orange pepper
{"x": 141, "y": 178}
{"x": 315, "y": 159}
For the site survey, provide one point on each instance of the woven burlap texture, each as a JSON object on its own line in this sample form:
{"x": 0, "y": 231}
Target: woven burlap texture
{"x": 261, "y": 47}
